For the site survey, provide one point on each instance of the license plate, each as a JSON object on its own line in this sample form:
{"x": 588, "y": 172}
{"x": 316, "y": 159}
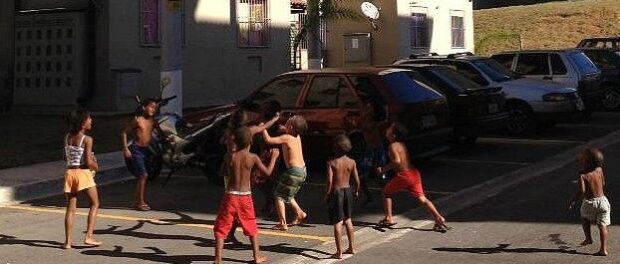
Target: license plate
{"x": 429, "y": 121}
{"x": 579, "y": 105}
{"x": 493, "y": 108}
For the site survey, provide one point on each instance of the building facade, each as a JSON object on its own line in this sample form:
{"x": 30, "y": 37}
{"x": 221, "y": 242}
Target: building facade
{"x": 404, "y": 27}
{"x": 101, "y": 53}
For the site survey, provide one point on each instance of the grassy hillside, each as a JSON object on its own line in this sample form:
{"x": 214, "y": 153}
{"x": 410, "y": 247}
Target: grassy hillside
{"x": 545, "y": 26}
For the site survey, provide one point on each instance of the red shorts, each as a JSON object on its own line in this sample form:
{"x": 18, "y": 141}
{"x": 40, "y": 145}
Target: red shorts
{"x": 240, "y": 207}
{"x": 409, "y": 180}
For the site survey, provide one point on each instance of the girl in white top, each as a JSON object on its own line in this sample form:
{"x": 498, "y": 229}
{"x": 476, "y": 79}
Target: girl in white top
{"x": 79, "y": 177}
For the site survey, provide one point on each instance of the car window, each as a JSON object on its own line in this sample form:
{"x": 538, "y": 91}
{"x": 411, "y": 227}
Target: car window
{"x": 494, "y": 70}
{"x": 470, "y": 72}
{"x": 367, "y": 91}
{"x": 406, "y": 90}
{"x": 424, "y": 77}
{"x": 284, "y": 90}
{"x": 456, "y": 81}
{"x": 583, "y": 64}
{"x": 330, "y": 92}
{"x": 557, "y": 65}
{"x": 533, "y": 64}
{"x": 604, "y": 59}
{"x": 504, "y": 59}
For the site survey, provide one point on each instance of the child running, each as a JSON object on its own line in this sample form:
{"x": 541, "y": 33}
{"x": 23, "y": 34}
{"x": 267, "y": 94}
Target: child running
{"x": 289, "y": 182}
{"x": 407, "y": 177}
{"x": 79, "y": 177}
{"x": 339, "y": 195}
{"x": 595, "y": 207}
{"x": 237, "y": 203}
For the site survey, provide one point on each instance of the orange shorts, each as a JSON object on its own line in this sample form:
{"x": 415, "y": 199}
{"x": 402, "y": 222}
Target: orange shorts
{"x": 78, "y": 179}
{"x": 409, "y": 180}
{"x": 240, "y": 207}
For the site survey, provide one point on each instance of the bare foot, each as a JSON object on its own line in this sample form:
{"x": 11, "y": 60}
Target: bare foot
{"x": 281, "y": 227}
{"x": 586, "y": 242}
{"x": 601, "y": 253}
{"x": 260, "y": 259}
{"x": 337, "y": 255}
{"x": 67, "y": 246}
{"x": 350, "y": 251}
{"x": 92, "y": 242}
{"x": 300, "y": 218}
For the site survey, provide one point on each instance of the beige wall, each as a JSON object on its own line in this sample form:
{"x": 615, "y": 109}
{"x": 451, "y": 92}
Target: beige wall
{"x": 7, "y": 23}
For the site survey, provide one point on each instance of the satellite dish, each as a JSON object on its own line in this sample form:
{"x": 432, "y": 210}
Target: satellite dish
{"x": 370, "y": 10}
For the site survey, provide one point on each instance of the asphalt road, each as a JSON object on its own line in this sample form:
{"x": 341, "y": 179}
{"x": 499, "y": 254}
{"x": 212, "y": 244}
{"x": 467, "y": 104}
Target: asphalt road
{"x": 179, "y": 229}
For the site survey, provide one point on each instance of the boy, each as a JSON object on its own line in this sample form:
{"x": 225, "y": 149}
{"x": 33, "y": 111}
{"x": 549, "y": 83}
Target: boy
{"x": 407, "y": 177}
{"x": 594, "y": 206}
{"x": 289, "y": 182}
{"x": 141, "y": 130}
{"x": 237, "y": 203}
{"x": 339, "y": 195}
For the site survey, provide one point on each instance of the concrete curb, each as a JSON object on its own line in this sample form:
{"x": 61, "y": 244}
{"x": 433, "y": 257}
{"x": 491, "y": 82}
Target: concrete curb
{"x": 368, "y": 237}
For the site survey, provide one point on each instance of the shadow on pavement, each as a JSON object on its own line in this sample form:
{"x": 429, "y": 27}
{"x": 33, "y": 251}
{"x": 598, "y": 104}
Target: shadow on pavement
{"x": 156, "y": 256}
{"x": 504, "y": 248}
{"x": 11, "y": 240}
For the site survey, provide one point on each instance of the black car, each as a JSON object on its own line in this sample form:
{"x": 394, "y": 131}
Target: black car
{"x": 473, "y": 108}
{"x": 610, "y": 43}
{"x": 608, "y": 62}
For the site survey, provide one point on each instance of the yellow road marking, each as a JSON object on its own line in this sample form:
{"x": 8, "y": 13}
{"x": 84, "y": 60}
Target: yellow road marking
{"x": 58, "y": 210}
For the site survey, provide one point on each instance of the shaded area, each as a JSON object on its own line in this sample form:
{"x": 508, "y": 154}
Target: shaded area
{"x": 157, "y": 255}
{"x": 505, "y": 248}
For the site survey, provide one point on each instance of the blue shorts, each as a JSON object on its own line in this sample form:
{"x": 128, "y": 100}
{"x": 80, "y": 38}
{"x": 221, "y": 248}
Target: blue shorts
{"x": 140, "y": 159}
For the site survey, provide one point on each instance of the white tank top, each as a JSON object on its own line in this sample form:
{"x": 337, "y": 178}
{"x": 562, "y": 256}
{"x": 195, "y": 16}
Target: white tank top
{"x": 74, "y": 154}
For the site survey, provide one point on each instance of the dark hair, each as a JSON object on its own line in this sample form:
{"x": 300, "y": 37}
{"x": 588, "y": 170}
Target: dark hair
{"x": 237, "y": 119}
{"x": 342, "y": 145}
{"x": 243, "y": 137}
{"x": 147, "y": 101}
{"x": 400, "y": 132}
{"x": 76, "y": 119}
{"x": 299, "y": 125}
{"x": 590, "y": 159}
{"x": 270, "y": 108}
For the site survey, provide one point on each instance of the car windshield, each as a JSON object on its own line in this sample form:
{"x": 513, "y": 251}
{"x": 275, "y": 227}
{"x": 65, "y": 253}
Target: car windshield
{"x": 457, "y": 81}
{"x": 583, "y": 63}
{"x": 406, "y": 90}
{"x": 494, "y": 70}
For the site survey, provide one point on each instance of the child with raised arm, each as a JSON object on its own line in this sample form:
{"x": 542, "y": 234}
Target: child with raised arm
{"x": 141, "y": 129}
{"x": 79, "y": 177}
{"x": 288, "y": 183}
{"x": 595, "y": 207}
{"x": 339, "y": 195}
{"x": 407, "y": 178}
{"x": 237, "y": 203}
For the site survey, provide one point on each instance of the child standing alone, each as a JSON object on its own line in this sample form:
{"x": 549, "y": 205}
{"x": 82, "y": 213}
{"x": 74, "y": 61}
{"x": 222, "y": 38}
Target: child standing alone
{"x": 595, "y": 207}
{"x": 79, "y": 177}
{"x": 339, "y": 195}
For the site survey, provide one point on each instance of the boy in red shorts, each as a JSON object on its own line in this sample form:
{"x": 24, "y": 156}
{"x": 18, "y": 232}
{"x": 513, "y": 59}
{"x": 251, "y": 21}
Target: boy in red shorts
{"x": 237, "y": 202}
{"x": 407, "y": 177}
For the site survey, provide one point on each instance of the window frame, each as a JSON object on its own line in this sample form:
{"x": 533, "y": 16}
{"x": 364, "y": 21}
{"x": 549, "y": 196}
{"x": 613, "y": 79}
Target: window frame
{"x": 461, "y": 31}
{"x": 157, "y": 44}
{"x": 342, "y": 80}
{"x": 265, "y": 21}
{"x": 518, "y": 62}
{"x": 420, "y": 30}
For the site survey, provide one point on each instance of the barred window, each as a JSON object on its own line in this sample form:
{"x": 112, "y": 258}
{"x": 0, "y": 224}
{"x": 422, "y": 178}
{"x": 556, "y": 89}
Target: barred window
{"x": 419, "y": 30}
{"x": 253, "y": 23}
{"x": 458, "y": 29}
{"x": 149, "y": 23}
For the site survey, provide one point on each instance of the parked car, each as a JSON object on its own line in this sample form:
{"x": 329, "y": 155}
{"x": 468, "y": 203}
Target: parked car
{"x": 608, "y": 62}
{"x": 329, "y": 99}
{"x": 531, "y": 103}
{"x": 612, "y": 43}
{"x": 570, "y": 67}
{"x": 473, "y": 108}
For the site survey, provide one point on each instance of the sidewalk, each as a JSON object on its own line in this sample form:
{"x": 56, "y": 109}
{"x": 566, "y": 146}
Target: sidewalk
{"x": 46, "y": 179}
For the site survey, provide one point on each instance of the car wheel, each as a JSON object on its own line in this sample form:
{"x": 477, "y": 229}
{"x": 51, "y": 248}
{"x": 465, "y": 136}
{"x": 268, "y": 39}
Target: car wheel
{"x": 520, "y": 118}
{"x": 610, "y": 99}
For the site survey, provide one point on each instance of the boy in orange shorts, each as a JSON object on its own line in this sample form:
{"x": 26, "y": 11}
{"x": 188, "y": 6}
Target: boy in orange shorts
{"x": 237, "y": 203}
{"x": 407, "y": 177}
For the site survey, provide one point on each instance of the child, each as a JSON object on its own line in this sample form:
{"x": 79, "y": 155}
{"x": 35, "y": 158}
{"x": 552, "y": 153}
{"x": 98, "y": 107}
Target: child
{"x": 407, "y": 177}
{"x": 339, "y": 195}
{"x": 81, "y": 164}
{"x": 594, "y": 206}
{"x": 237, "y": 203}
{"x": 141, "y": 130}
{"x": 289, "y": 182}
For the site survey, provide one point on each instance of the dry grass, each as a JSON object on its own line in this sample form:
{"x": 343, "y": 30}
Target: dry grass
{"x": 545, "y": 26}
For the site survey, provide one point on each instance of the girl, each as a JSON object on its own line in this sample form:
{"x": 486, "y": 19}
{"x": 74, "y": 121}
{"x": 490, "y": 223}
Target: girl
{"x": 79, "y": 177}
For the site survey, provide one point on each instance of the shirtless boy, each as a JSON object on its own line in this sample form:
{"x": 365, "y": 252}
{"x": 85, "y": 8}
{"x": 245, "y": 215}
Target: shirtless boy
{"x": 140, "y": 128}
{"x": 407, "y": 177}
{"x": 288, "y": 183}
{"x": 339, "y": 195}
{"x": 237, "y": 203}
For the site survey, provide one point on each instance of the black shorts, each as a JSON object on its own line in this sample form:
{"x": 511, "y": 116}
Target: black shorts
{"x": 340, "y": 204}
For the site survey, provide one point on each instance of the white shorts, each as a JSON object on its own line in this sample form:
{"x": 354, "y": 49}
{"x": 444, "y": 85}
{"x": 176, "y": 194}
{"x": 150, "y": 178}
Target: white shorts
{"x": 596, "y": 210}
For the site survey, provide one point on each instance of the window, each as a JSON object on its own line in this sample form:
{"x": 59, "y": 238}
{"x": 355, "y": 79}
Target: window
{"x": 149, "y": 21}
{"x": 285, "y": 90}
{"x": 533, "y": 64}
{"x": 406, "y": 90}
{"x": 557, "y": 66}
{"x": 470, "y": 72}
{"x": 330, "y": 92}
{"x": 583, "y": 63}
{"x": 504, "y": 59}
{"x": 419, "y": 28}
{"x": 253, "y": 23}
{"x": 458, "y": 29}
